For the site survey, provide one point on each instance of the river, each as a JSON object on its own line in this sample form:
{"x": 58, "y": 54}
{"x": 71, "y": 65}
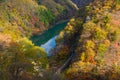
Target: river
{"x": 46, "y": 40}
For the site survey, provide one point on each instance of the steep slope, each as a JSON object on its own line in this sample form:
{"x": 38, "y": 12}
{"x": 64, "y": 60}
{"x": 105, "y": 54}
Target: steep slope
{"x": 96, "y": 46}
{"x": 25, "y": 18}
{"x": 20, "y": 59}
{"x": 61, "y": 8}
{"x": 18, "y": 55}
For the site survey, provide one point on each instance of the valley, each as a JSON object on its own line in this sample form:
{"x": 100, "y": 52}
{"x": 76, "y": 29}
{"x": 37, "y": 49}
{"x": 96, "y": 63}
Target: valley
{"x": 59, "y": 39}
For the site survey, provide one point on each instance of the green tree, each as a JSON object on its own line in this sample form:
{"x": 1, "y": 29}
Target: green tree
{"x": 101, "y": 49}
{"x": 23, "y": 58}
{"x": 45, "y": 15}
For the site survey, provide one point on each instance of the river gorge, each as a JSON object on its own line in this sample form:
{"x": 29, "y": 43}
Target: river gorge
{"x": 46, "y": 40}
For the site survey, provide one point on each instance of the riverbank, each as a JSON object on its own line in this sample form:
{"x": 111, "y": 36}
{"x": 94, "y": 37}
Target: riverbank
{"x": 51, "y": 26}
{"x": 59, "y": 22}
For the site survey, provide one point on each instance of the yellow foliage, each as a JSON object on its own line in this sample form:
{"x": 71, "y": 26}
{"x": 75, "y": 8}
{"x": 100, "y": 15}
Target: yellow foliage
{"x": 107, "y": 43}
{"x": 43, "y": 7}
{"x": 82, "y": 57}
{"x": 90, "y": 54}
{"x": 89, "y": 44}
{"x": 89, "y": 26}
{"x": 72, "y": 20}
{"x": 69, "y": 27}
{"x": 99, "y": 34}
{"x": 61, "y": 35}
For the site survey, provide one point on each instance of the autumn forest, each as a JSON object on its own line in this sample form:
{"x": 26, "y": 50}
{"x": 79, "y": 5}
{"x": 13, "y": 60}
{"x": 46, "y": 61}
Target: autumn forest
{"x": 59, "y": 39}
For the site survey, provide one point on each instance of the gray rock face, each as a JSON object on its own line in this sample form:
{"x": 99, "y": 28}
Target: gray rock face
{"x": 81, "y": 3}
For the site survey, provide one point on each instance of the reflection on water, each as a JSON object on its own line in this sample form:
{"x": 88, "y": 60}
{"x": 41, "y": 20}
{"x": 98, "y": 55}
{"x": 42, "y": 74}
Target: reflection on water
{"x": 49, "y": 45}
{"x": 46, "y": 40}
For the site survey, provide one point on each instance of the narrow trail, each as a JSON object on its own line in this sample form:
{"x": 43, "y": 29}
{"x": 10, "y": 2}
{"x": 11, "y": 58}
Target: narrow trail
{"x": 72, "y": 54}
{"x": 74, "y": 39}
{"x": 64, "y": 66}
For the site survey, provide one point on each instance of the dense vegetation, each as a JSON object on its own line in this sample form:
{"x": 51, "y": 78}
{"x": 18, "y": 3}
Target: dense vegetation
{"x": 91, "y": 37}
{"x": 94, "y": 37}
{"x": 20, "y": 59}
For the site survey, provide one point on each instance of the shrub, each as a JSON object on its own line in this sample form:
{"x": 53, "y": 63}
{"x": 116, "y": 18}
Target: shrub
{"x": 101, "y": 49}
{"x": 90, "y": 44}
{"x": 99, "y": 34}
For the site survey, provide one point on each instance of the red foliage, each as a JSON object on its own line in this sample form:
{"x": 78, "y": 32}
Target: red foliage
{"x": 34, "y": 19}
{"x": 116, "y": 45}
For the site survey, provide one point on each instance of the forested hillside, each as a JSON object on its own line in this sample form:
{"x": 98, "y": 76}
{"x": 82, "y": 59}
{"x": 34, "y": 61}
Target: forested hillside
{"x": 92, "y": 39}
{"x": 20, "y": 59}
{"x": 88, "y": 48}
